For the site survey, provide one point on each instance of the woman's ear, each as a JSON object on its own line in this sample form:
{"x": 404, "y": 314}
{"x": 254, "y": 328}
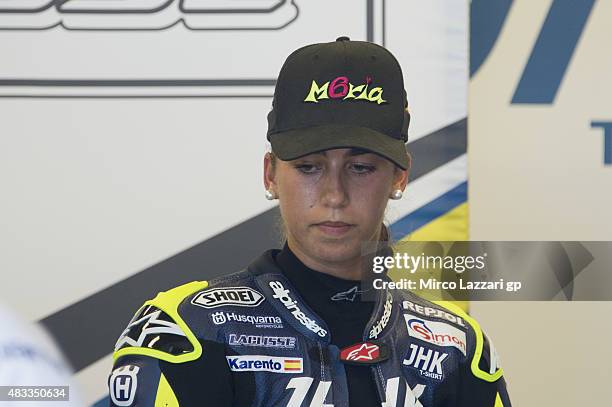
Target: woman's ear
{"x": 400, "y": 178}
{"x": 269, "y": 172}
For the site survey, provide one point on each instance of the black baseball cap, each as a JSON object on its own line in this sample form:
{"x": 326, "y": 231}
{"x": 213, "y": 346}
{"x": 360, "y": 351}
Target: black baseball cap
{"x": 340, "y": 94}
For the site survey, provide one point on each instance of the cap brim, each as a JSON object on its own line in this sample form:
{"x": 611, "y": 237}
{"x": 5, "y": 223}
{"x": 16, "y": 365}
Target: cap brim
{"x": 292, "y": 144}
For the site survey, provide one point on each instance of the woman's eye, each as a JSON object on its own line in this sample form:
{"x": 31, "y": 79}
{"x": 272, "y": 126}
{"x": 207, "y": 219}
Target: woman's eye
{"x": 307, "y": 168}
{"x": 362, "y": 168}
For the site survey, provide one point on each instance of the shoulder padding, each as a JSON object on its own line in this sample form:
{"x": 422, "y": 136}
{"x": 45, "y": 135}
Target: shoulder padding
{"x": 483, "y": 344}
{"x": 157, "y": 330}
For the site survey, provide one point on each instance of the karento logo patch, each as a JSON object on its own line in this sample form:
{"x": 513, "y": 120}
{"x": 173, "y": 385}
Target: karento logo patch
{"x": 261, "y": 363}
{"x": 437, "y": 333}
{"x": 340, "y": 88}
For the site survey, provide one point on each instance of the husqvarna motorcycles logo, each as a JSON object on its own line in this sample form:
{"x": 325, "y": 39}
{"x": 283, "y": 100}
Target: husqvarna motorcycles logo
{"x": 341, "y": 89}
{"x": 259, "y": 321}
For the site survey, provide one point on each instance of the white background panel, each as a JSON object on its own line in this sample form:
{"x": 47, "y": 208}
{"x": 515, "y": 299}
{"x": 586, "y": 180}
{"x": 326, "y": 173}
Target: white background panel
{"x": 95, "y": 190}
{"x": 432, "y": 48}
{"x": 537, "y": 173}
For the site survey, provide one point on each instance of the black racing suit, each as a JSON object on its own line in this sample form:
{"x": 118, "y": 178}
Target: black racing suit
{"x": 273, "y": 334}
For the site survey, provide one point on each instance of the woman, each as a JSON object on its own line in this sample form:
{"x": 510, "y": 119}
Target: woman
{"x": 292, "y": 329}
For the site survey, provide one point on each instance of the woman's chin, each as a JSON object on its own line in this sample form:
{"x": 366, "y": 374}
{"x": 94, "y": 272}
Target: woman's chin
{"x": 336, "y": 250}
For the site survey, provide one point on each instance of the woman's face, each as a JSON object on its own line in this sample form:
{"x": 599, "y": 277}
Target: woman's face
{"x": 333, "y": 201}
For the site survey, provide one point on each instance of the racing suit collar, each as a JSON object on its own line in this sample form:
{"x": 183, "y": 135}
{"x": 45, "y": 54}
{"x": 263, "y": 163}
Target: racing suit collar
{"x": 282, "y": 294}
{"x": 329, "y": 296}
{"x": 286, "y": 300}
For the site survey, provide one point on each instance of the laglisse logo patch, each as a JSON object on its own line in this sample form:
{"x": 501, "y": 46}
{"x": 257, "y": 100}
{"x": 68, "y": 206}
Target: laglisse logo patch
{"x": 341, "y": 88}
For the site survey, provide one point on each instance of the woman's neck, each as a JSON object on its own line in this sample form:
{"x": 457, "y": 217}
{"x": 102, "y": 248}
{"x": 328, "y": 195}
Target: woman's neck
{"x": 347, "y": 269}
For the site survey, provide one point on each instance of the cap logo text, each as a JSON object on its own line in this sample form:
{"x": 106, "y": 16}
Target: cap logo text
{"x": 341, "y": 88}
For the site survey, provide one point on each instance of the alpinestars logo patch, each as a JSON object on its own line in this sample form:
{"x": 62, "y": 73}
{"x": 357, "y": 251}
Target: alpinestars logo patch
{"x": 142, "y": 331}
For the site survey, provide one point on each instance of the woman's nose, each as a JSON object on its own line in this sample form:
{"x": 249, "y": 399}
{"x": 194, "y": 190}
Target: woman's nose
{"x": 334, "y": 192}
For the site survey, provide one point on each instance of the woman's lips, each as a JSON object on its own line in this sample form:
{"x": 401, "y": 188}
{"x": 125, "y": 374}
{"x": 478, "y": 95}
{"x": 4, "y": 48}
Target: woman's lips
{"x": 334, "y": 228}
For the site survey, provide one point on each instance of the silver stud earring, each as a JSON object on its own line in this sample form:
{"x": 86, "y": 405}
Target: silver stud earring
{"x": 270, "y": 195}
{"x": 397, "y": 194}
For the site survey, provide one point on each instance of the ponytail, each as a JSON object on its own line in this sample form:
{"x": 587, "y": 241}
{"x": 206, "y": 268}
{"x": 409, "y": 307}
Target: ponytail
{"x": 384, "y": 233}
{"x": 385, "y": 240}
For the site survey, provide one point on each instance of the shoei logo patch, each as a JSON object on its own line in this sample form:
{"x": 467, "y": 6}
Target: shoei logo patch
{"x": 437, "y": 333}
{"x": 236, "y": 296}
{"x": 340, "y": 88}
{"x": 122, "y": 384}
{"x": 282, "y": 294}
{"x": 261, "y": 363}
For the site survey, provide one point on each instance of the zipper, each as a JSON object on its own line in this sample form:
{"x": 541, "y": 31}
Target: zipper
{"x": 379, "y": 381}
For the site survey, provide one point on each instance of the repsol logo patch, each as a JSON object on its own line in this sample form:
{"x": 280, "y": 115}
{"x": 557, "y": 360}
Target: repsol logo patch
{"x": 236, "y": 296}
{"x": 433, "y": 312}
